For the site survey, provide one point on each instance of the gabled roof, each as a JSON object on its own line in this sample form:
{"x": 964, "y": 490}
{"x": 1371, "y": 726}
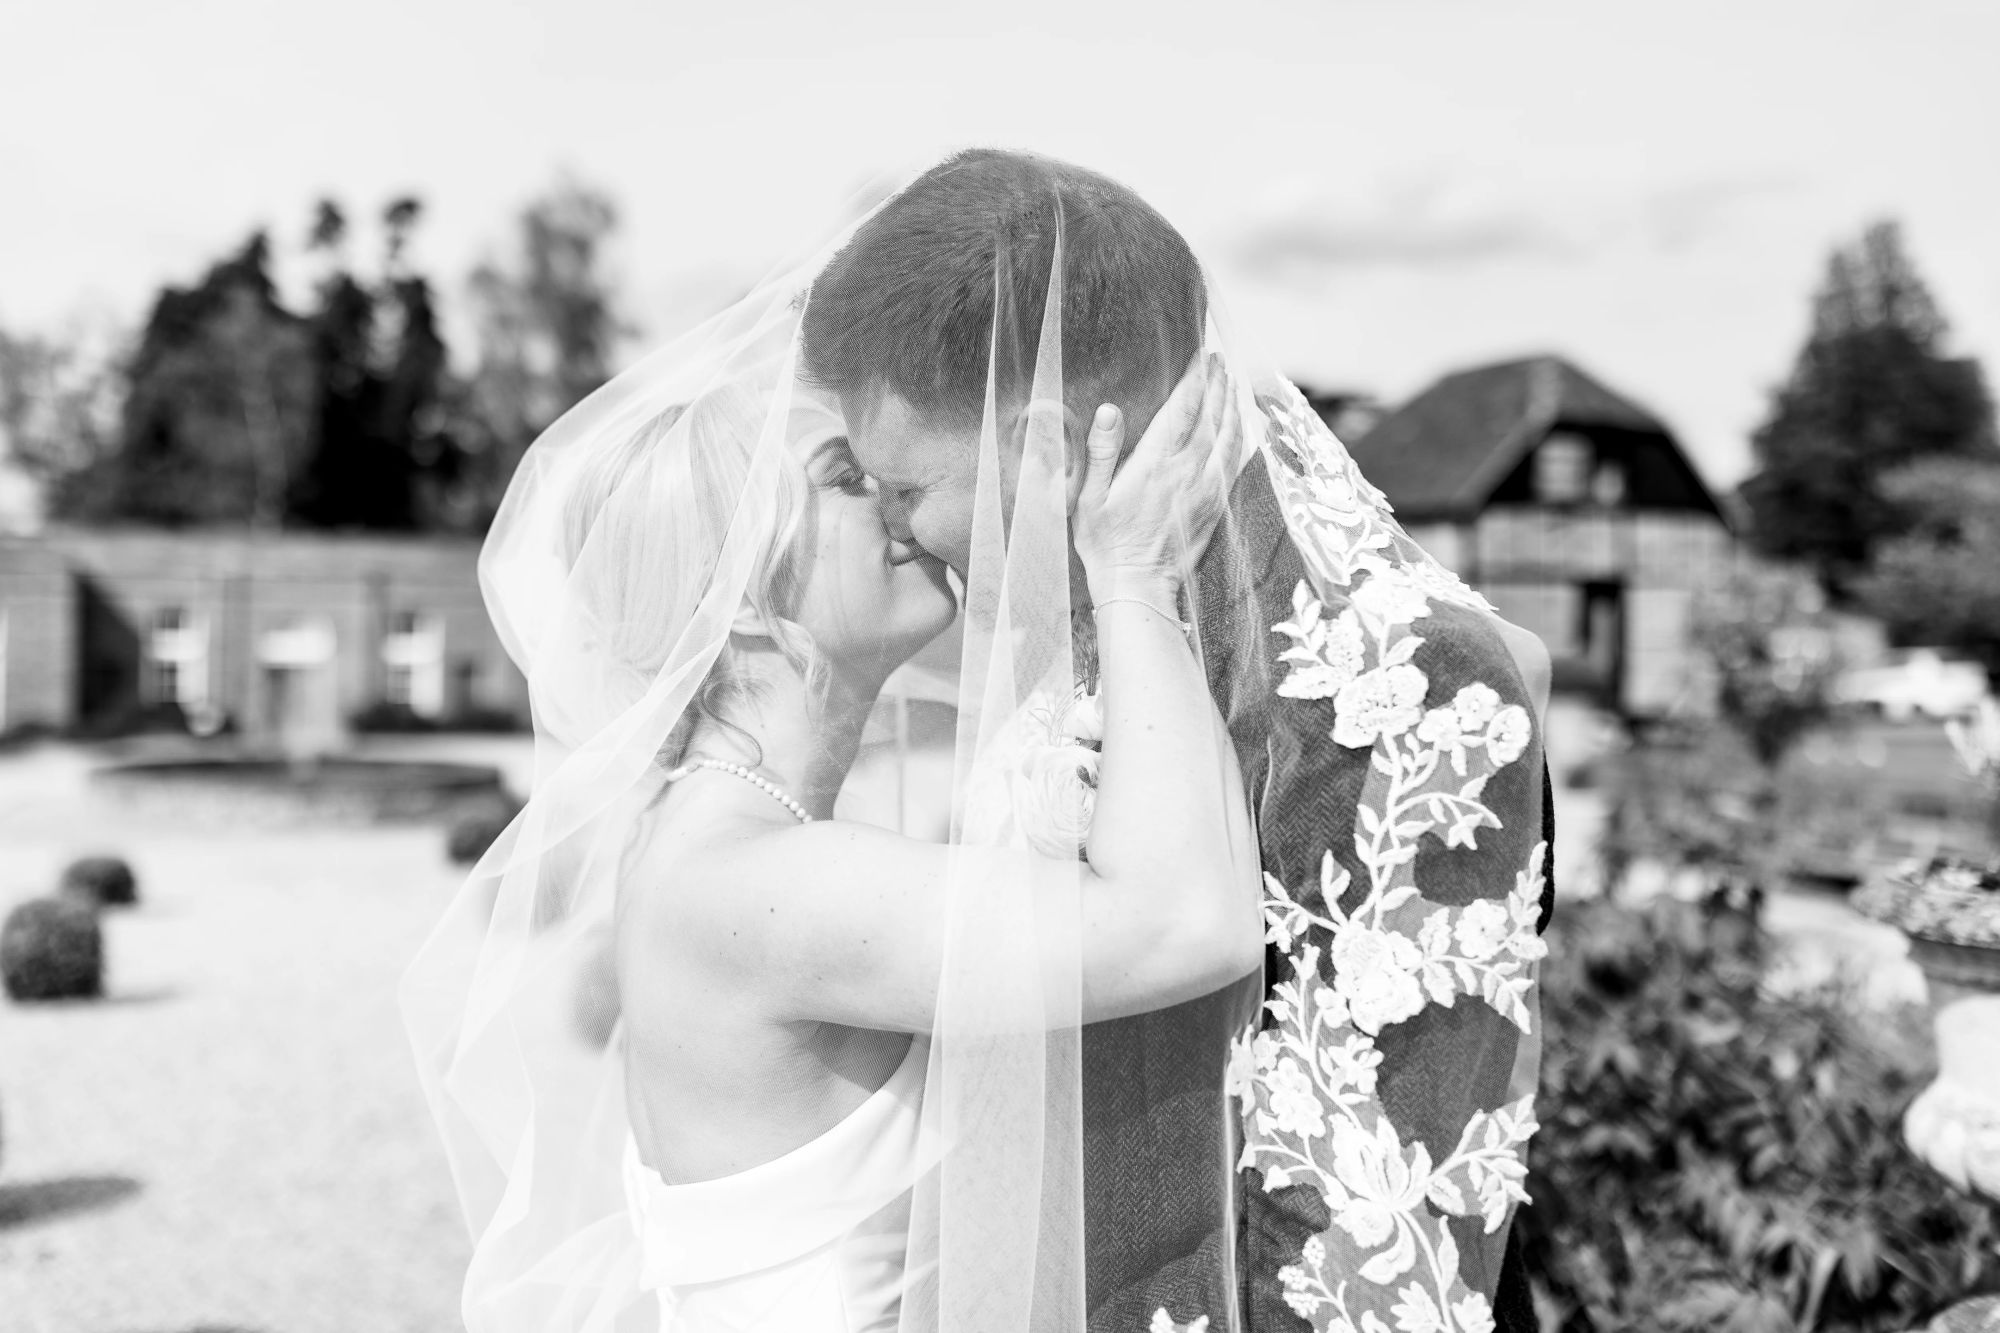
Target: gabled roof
{"x": 1441, "y": 454}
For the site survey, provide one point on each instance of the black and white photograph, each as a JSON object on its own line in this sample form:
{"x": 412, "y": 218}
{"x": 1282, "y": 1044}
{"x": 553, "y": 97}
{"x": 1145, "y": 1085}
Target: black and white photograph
{"x": 754, "y": 666}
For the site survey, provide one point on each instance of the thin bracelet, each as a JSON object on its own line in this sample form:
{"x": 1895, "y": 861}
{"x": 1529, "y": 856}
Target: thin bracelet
{"x": 1185, "y": 627}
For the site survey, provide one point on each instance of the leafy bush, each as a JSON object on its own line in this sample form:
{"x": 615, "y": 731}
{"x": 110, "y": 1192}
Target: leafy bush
{"x": 472, "y": 834}
{"x": 100, "y": 881}
{"x": 1697, "y": 799}
{"x": 1714, "y": 1157}
{"x": 52, "y": 949}
{"x": 1765, "y": 636}
{"x": 387, "y": 719}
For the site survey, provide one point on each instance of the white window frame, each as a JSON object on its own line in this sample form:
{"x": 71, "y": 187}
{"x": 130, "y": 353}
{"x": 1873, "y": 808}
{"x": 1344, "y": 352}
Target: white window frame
{"x": 1578, "y": 450}
{"x": 413, "y": 663}
{"x": 178, "y": 654}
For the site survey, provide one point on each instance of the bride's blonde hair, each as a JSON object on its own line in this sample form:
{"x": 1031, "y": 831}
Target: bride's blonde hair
{"x": 660, "y": 507}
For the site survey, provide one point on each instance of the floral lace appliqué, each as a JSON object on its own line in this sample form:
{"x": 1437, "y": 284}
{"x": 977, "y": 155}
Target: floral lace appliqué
{"x": 1307, "y": 1083}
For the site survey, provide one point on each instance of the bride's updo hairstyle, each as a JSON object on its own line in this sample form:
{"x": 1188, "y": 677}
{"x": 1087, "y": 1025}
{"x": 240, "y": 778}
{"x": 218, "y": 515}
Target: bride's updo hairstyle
{"x": 650, "y": 519}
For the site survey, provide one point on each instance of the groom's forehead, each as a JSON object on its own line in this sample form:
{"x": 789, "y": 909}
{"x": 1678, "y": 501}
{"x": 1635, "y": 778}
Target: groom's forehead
{"x": 893, "y": 435}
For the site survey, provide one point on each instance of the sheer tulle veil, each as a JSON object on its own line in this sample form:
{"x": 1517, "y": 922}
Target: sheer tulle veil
{"x": 635, "y": 530}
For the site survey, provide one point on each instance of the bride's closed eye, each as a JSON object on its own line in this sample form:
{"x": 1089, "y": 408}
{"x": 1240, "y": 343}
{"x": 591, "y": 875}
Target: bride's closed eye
{"x": 835, "y": 468}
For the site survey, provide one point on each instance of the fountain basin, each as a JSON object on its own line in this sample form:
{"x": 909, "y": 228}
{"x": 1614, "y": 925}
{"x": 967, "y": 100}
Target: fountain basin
{"x": 236, "y": 791}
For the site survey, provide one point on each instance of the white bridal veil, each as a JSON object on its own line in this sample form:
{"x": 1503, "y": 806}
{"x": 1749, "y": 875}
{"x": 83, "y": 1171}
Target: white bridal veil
{"x": 634, "y": 531}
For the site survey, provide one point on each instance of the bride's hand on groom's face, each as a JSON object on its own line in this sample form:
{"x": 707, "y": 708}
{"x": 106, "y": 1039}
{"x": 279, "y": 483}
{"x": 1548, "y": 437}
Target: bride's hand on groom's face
{"x": 1140, "y": 526}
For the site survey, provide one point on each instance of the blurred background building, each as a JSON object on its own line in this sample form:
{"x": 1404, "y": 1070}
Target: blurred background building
{"x": 104, "y": 630}
{"x": 1572, "y": 507}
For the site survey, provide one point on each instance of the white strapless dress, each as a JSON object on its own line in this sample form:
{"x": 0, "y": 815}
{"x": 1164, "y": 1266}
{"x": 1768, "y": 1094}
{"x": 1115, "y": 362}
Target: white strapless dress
{"x": 811, "y": 1242}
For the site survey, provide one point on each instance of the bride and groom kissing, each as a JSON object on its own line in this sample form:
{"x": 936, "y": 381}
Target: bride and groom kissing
{"x": 1215, "y": 1010}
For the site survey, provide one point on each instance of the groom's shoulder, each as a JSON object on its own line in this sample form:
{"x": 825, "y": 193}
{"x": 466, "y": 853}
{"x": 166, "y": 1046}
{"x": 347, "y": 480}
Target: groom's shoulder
{"x": 1463, "y": 640}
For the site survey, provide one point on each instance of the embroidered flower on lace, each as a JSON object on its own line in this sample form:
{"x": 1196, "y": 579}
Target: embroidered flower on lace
{"x": 1383, "y": 702}
{"x": 1508, "y": 734}
{"x": 1294, "y": 1101}
{"x": 1352, "y": 1064}
{"x": 1376, "y": 973}
{"x": 1387, "y": 597}
{"x": 1483, "y": 928}
{"x": 1327, "y": 653}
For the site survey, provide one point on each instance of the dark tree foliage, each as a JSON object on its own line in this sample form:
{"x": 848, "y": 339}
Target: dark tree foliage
{"x": 1871, "y": 390}
{"x": 236, "y": 410}
{"x": 1939, "y": 583}
{"x": 380, "y": 452}
{"x": 216, "y": 418}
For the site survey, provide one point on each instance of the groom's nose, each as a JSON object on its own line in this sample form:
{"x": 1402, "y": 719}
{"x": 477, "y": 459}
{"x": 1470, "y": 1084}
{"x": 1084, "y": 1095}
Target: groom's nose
{"x": 895, "y": 514}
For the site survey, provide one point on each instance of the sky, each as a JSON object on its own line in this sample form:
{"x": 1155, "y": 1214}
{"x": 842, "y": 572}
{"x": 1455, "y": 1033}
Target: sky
{"x": 1385, "y": 190}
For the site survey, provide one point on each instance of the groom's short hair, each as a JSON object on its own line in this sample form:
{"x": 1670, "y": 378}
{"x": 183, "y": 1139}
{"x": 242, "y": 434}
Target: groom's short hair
{"x": 907, "y": 305}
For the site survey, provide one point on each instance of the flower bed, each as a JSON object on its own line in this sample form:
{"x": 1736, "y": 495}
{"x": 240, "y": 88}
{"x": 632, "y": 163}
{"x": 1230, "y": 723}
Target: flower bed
{"x": 1943, "y": 898}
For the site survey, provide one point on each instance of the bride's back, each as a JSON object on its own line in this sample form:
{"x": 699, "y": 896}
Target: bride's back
{"x": 715, "y": 1084}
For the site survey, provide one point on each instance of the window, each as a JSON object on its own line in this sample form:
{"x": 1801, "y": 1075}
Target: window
{"x": 176, "y": 667}
{"x": 413, "y": 663}
{"x": 1607, "y": 485}
{"x": 1562, "y": 469}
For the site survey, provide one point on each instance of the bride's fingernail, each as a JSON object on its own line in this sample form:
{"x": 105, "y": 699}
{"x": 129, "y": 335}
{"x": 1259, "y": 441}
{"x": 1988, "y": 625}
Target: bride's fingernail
{"x": 1107, "y": 417}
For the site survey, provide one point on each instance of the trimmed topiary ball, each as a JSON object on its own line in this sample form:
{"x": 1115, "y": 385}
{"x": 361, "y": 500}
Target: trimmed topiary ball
{"x": 471, "y": 835}
{"x": 100, "y": 881}
{"x": 52, "y": 949}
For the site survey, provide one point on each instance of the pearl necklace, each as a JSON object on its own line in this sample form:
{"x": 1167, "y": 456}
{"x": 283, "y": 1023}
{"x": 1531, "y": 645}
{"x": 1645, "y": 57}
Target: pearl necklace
{"x": 765, "y": 785}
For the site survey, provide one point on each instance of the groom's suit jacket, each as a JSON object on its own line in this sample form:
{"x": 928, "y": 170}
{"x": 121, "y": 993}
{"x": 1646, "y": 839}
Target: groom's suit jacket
{"x": 1150, "y": 1106}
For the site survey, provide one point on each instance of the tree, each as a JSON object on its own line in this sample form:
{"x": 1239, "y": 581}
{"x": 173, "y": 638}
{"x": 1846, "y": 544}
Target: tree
{"x": 60, "y": 398}
{"x": 379, "y": 449}
{"x": 1765, "y": 639}
{"x": 1939, "y": 583}
{"x": 1871, "y": 390}
{"x": 547, "y": 328}
{"x": 215, "y": 419}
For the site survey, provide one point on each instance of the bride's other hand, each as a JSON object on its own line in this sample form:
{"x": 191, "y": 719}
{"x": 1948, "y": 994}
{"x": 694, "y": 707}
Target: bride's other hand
{"x": 1140, "y": 526}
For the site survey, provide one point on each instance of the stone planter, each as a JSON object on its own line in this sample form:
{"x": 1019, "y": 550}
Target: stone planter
{"x": 1949, "y": 908}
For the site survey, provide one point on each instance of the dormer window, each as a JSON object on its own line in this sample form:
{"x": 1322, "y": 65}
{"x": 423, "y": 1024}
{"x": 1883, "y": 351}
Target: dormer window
{"x": 1562, "y": 469}
{"x": 1607, "y": 484}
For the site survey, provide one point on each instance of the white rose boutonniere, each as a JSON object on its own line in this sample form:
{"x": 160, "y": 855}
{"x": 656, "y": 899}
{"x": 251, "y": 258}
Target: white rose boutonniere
{"x": 1055, "y": 773}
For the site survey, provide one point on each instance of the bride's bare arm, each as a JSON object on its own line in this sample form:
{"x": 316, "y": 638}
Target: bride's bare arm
{"x": 843, "y": 922}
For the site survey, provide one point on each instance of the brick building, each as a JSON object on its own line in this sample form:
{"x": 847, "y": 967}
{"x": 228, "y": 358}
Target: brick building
{"x": 1571, "y": 507}
{"x": 263, "y": 629}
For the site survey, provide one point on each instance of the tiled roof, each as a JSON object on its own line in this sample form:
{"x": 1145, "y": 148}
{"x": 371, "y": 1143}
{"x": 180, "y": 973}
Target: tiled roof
{"x": 1442, "y": 453}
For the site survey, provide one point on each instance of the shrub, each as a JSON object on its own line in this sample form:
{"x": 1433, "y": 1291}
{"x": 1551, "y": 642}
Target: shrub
{"x": 51, "y": 949}
{"x": 1697, "y": 799}
{"x": 1715, "y": 1157}
{"x": 472, "y": 834}
{"x": 1766, "y": 640}
{"x": 100, "y": 881}
{"x": 385, "y": 718}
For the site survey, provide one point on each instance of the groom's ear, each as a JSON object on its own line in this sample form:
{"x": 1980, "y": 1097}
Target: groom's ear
{"x": 1075, "y": 437}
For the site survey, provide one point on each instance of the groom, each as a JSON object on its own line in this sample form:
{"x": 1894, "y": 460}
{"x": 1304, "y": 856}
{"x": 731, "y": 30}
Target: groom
{"x": 898, "y": 326}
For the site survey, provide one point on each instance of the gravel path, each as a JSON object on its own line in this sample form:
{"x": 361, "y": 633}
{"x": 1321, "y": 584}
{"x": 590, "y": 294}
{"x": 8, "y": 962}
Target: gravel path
{"x": 235, "y": 1138}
